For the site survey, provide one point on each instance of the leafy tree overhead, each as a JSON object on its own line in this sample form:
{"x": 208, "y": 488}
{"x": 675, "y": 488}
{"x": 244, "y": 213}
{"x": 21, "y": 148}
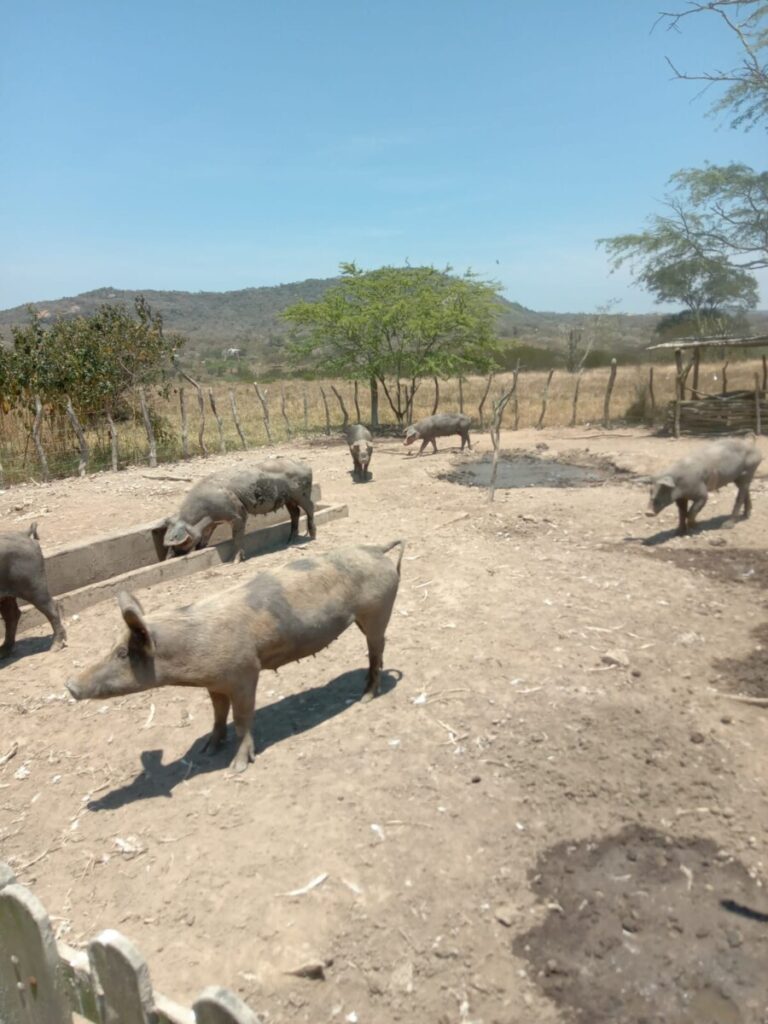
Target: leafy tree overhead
{"x": 396, "y": 325}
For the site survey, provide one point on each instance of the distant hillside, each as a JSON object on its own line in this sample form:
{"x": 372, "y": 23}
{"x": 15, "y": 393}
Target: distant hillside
{"x": 249, "y": 319}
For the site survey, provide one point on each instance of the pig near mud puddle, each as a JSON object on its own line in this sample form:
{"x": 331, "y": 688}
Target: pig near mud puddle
{"x": 231, "y": 494}
{"x": 22, "y": 575}
{"x": 730, "y": 461}
{"x": 443, "y": 424}
{"x": 223, "y": 642}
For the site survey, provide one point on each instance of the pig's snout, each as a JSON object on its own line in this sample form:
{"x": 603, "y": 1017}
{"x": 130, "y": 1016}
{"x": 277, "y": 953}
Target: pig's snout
{"x": 74, "y": 690}
{"x": 651, "y": 512}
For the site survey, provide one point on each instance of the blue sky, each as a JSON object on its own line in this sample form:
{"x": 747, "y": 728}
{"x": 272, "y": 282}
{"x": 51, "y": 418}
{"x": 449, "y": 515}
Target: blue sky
{"x": 213, "y": 146}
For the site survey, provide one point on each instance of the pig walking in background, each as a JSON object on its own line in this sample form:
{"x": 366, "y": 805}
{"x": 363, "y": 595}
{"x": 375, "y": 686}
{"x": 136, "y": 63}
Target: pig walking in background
{"x": 223, "y": 642}
{"x": 361, "y": 449}
{"x": 731, "y": 461}
{"x": 22, "y": 575}
{"x": 443, "y": 424}
{"x": 231, "y": 494}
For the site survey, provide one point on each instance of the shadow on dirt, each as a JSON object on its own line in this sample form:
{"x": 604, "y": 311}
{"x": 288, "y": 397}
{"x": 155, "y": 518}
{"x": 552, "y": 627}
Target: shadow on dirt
{"x": 25, "y": 647}
{"x": 716, "y": 523}
{"x": 724, "y": 564}
{"x": 273, "y": 723}
{"x": 645, "y": 928}
{"x": 746, "y": 676}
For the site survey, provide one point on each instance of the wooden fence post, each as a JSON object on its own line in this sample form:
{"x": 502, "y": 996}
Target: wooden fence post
{"x": 696, "y": 362}
{"x": 678, "y": 391}
{"x": 482, "y": 400}
{"x": 219, "y": 424}
{"x": 283, "y": 412}
{"x": 651, "y": 395}
{"x": 544, "y": 398}
{"x": 236, "y": 418}
{"x": 498, "y": 413}
{"x": 38, "y": 440}
{"x": 576, "y": 397}
{"x": 306, "y": 412}
{"x": 201, "y": 409}
{"x": 758, "y": 424}
{"x": 357, "y": 405}
{"x": 82, "y": 443}
{"x": 765, "y": 373}
{"x": 184, "y": 424}
{"x": 608, "y": 393}
{"x": 327, "y": 413}
{"x": 437, "y": 396}
{"x": 149, "y": 429}
{"x": 343, "y": 407}
{"x": 461, "y": 394}
{"x": 265, "y": 410}
{"x": 516, "y": 406}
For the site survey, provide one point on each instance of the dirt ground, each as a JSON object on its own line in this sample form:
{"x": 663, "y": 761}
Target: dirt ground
{"x": 555, "y": 811}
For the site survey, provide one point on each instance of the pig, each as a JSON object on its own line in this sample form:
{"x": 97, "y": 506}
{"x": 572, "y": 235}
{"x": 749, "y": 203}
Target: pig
{"x": 224, "y": 641}
{"x": 361, "y": 450}
{"x": 22, "y": 575}
{"x": 730, "y": 461}
{"x": 229, "y": 495}
{"x": 441, "y": 425}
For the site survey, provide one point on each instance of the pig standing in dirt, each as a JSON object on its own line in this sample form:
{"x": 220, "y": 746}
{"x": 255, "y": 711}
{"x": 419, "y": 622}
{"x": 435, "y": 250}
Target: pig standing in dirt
{"x": 441, "y": 425}
{"x": 22, "y": 575}
{"x": 223, "y": 642}
{"x": 231, "y": 494}
{"x": 361, "y": 449}
{"x": 731, "y": 461}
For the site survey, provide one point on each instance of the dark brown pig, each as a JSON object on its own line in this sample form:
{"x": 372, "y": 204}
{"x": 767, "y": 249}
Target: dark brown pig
{"x": 443, "y": 424}
{"x": 223, "y": 642}
{"x": 730, "y": 461}
{"x": 22, "y": 575}
{"x": 361, "y": 449}
{"x": 231, "y": 494}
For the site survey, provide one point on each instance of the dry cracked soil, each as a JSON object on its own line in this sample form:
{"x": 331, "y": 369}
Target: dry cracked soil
{"x": 556, "y": 809}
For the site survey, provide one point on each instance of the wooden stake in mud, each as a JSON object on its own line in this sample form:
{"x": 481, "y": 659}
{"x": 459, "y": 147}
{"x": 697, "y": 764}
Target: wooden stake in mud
{"x": 482, "y": 400}
{"x": 82, "y": 443}
{"x": 283, "y": 413}
{"x": 758, "y": 424}
{"x": 357, "y": 405}
{"x": 149, "y": 429}
{"x": 327, "y": 413}
{"x": 651, "y": 395}
{"x": 576, "y": 397}
{"x": 678, "y": 391}
{"x": 219, "y": 424}
{"x": 236, "y": 418}
{"x": 608, "y": 392}
{"x": 37, "y": 439}
{"x": 437, "y": 396}
{"x": 184, "y": 424}
{"x": 264, "y": 410}
{"x": 544, "y": 398}
{"x": 498, "y": 413}
{"x": 343, "y": 407}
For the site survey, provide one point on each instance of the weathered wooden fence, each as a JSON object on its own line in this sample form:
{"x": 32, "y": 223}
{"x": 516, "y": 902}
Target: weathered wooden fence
{"x": 42, "y": 982}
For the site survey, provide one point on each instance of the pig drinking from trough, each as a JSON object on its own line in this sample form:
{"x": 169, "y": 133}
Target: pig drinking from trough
{"x": 441, "y": 425}
{"x": 22, "y": 575}
{"x": 360, "y": 448}
{"x": 731, "y": 461}
{"x": 231, "y": 494}
{"x": 223, "y": 642}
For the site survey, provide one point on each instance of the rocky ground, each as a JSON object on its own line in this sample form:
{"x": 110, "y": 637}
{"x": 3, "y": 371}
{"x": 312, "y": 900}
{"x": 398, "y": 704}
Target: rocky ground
{"x": 556, "y": 810}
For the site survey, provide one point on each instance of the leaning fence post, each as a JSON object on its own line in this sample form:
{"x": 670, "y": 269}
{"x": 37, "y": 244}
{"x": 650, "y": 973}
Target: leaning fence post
{"x": 357, "y": 405}
{"x": 219, "y": 424}
{"x": 184, "y": 424}
{"x": 544, "y": 398}
{"x": 149, "y": 429}
{"x": 437, "y": 397}
{"x": 83, "y": 444}
{"x": 343, "y": 407}
{"x": 265, "y": 410}
{"x": 327, "y": 413}
{"x": 236, "y": 418}
{"x": 608, "y": 393}
{"x": 725, "y": 377}
{"x": 576, "y": 397}
{"x": 283, "y": 412}
{"x": 37, "y": 439}
{"x": 482, "y": 400}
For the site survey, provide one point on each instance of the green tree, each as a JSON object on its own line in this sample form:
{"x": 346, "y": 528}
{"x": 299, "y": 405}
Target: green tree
{"x": 396, "y": 325}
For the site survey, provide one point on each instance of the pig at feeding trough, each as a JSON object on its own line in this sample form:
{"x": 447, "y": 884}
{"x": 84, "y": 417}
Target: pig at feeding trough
{"x": 22, "y": 575}
{"x": 231, "y": 494}
{"x": 443, "y": 424}
{"x": 223, "y": 642}
{"x": 730, "y": 461}
{"x": 361, "y": 449}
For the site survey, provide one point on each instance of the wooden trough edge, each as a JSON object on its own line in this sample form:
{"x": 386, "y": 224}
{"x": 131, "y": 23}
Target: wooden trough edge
{"x": 45, "y": 982}
{"x": 256, "y": 542}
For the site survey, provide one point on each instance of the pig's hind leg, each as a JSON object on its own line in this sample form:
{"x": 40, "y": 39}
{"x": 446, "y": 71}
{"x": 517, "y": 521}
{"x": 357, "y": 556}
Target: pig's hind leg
{"x": 374, "y": 624}
{"x": 243, "y": 704}
{"x": 9, "y": 609}
{"x": 743, "y": 499}
{"x": 219, "y": 732}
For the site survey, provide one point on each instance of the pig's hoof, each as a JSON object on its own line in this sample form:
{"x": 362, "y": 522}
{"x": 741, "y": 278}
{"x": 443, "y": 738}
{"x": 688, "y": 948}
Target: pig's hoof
{"x": 729, "y": 524}
{"x": 58, "y": 645}
{"x": 367, "y": 697}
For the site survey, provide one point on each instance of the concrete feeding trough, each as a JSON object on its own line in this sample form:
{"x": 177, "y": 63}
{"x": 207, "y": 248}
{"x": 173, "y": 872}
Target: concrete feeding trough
{"x": 80, "y": 575}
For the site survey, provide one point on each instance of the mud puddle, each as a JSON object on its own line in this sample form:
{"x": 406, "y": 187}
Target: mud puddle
{"x": 515, "y": 471}
{"x": 645, "y": 928}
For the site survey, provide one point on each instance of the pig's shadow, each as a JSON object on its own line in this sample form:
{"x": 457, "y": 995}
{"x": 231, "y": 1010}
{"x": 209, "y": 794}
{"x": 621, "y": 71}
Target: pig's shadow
{"x": 715, "y": 523}
{"x": 273, "y": 723}
{"x": 25, "y": 647}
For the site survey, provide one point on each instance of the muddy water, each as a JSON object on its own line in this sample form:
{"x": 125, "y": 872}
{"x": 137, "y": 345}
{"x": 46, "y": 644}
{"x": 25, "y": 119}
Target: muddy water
{"x": 526, "y": 471}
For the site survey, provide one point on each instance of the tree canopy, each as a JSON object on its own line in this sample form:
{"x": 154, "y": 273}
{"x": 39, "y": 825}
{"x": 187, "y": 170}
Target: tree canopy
{"x": 398, "y": 324}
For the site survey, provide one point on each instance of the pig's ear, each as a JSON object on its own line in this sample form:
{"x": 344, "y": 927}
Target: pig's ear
{"x": 133, "y": 615}
{"x": 666, "y": 481}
